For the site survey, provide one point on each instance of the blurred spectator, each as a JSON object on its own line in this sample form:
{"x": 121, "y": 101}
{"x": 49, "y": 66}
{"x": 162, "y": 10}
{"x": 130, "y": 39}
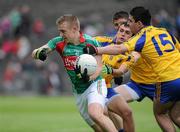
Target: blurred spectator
{"x": 15, "y": 18}
{"x": 54, "y": 78}
{"x": 5, "y": 27}
{"x": 24, "y": 47}
{"x": 163, "y": 19}
{"x": 24, "y": 27}
{"x": 178, "y": 23}
{"x": 38, "y": 27}
{"x": 13, "y": 68}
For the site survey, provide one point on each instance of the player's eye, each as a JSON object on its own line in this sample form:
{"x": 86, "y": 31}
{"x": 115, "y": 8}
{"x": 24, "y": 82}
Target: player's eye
{"x": 127, "y": 32}
{"x": 116, "y": 24}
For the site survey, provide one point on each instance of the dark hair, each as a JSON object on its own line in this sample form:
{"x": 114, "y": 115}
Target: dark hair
{"x": 120, "y": 14}
{"x": 141, "y": 14}
{"x": 125, "y": 24}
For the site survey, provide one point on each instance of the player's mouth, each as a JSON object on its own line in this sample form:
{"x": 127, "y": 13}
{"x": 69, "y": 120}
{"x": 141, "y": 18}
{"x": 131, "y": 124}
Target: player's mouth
{"x": 122, "y": 39}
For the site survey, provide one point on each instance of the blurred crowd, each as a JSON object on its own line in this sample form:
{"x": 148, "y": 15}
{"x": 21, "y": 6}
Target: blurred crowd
{"x": 21, "y": 74}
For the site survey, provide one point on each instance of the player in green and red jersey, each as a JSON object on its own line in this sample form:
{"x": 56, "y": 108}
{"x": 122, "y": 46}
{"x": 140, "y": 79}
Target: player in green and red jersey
{"x": 90, "y": 92}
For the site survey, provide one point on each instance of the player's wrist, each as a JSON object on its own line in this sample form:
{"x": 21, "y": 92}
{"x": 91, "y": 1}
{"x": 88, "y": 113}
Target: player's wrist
{"x": 106, "y": 70}
{"x": 40, "y": 54}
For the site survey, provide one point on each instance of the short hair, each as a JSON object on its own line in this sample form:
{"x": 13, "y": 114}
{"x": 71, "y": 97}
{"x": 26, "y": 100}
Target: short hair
{"x": 126, "y": 24}
{"x": 141, "y": 14}
{"x": 120, "y": 14}
{"x": 71, "y": 19}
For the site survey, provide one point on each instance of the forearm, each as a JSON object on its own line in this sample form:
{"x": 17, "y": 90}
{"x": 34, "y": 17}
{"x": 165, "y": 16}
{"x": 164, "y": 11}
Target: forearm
{"x": 112, "y": 49}
{"x": 124, "y": 67}
{"x": 120, "y": 71}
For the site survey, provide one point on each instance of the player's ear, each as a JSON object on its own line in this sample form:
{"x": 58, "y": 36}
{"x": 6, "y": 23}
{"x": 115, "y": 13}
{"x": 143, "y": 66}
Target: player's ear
{"x": 140, "y": 24}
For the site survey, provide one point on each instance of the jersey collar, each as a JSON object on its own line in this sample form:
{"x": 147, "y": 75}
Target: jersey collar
{"x": 145, "y": 28}
{"x": 81, "y": 39}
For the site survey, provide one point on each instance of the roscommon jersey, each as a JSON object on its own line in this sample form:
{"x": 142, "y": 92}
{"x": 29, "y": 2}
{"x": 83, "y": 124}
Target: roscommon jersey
{"x": 113, "y": 61}
{"x": 158, "y": 48}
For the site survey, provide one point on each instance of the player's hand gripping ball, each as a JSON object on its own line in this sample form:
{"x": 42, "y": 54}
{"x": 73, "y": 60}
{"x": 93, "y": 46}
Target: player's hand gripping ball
{"x": 86, "y": 61}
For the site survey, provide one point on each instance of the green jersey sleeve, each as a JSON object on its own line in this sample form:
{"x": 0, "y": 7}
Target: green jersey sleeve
{"x": 93, "y": 41}
{"x": 53, "y": 42}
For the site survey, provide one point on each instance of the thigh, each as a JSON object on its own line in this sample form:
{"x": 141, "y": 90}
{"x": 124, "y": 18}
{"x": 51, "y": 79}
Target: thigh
{"x": 93, "y": 98}
{"x": 129, "y": 91}
{"x": 160, "y": 108}
{"x": 175, "y": 110}
{"x": 118, "y": 105}
{"x": 82, "y": 105}
{"x": 97, "y": 93}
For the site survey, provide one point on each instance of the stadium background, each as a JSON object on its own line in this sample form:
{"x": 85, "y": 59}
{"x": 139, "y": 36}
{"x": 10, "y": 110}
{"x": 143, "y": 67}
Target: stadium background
{"x": 23, "y": 79}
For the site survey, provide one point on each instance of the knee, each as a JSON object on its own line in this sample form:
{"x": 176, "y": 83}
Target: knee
{"x": 127, "y": 113}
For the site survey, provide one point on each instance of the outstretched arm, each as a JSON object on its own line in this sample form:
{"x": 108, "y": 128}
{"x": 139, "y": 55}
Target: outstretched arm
{"x": 111, "y": 49}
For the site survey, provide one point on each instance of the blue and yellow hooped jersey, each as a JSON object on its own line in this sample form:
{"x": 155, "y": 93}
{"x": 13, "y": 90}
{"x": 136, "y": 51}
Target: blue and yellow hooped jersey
{"x": 158, "y": 48}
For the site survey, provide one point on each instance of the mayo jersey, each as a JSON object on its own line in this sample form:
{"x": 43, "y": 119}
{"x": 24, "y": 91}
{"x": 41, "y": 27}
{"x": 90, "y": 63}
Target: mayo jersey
{"x": 158, "y": 48}
{"x": 69, "y": 53}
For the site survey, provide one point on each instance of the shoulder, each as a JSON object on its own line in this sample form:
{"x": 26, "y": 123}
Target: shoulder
{"x": 54, "y": 41}
{"x": 57, "y": 39}
{"x": 89, "y": 38}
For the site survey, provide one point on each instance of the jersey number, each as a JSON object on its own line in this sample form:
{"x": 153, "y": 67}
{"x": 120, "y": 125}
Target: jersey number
{"x": 164, "y": 43}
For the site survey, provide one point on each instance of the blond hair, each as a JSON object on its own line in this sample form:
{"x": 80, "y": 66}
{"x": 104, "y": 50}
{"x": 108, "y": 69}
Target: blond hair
{"x": 72, "y": 20}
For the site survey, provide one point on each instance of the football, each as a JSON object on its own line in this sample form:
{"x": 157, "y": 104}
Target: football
{"x": 87, "y": 61}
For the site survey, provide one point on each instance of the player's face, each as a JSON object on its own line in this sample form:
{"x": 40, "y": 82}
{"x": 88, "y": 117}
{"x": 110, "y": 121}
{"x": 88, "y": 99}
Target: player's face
{"x": 118, "y": 22}
{"x": 133, "y": 25}
{"x": 124, "y": 33}
{"x": 66, "y": 31}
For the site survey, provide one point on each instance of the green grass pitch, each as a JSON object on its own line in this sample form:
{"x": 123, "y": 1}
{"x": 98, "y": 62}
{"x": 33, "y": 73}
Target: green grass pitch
{"x": 59, "y": 114}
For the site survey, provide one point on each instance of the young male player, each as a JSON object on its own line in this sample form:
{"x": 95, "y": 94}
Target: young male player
{"x": 157, "y": 47}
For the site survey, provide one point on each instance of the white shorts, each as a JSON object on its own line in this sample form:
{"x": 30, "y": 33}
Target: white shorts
{"x": 96, "y": 93}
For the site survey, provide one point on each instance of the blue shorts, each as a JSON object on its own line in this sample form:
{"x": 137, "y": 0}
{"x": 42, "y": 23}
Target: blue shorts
{"x": 143, "y": 90}
{"x": 111, "y": 92}
{"x": 168, "y": 91}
